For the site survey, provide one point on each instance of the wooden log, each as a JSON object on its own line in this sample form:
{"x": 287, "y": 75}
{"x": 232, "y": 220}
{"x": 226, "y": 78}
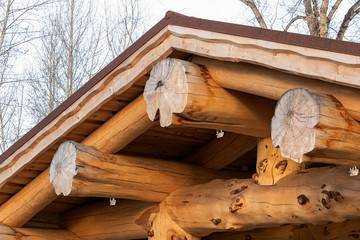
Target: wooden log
{"x": 299, "y": 232}
{"x": 314, "y": 196}
{"x": 271, "y": 166}
{"x": 315, "y": 124}
{"x": 220, "y": 152}
{"x": 346, "y": 230}
{"x": 115, "y": 134}
{"x": 126, "y": 220}
{"x": 82, "y": 171}
{"x": 9, "y": 233}
{"x": 273, "y": 84}
{"x": 184, "y": 88}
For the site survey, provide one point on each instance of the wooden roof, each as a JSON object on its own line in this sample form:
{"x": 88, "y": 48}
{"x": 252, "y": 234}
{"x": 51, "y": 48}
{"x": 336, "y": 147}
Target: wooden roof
{"x": 331, "y": 64}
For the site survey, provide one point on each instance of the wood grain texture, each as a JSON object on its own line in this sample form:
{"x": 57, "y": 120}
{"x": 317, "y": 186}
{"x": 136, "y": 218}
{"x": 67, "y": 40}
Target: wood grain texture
{"x": 83, "y": 171}
{"x": 315, "y": 124}
{"x": 314, "y": 196}
{"x": 186, "y": 89}
{"x": 271, "y": 166}
{"x": 8, "y": 233}
{"x": 220, "y": 152}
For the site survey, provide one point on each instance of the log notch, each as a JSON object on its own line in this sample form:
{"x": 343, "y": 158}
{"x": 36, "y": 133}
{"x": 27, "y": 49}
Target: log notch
{"x": 315, "y": 124}
{"x": 82, "y": 171}
{"x": 220, "y": 152}
{"x": 315, "y": 196}
{"x": 269, "y": 83}
{"x": 184, "y": 88}
{"x": 8, "y": 233}
{"x": 271, "y": 166}
{"x": 116, "y": 133}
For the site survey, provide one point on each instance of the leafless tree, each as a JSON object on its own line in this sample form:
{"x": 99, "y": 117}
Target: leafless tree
{"x": 125, "y": 22}
{"x": 323, "y": 18}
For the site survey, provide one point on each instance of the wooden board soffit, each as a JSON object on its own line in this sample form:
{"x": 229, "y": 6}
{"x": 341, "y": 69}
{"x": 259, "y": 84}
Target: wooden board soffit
{"x": 315, "y": 124}
{"x": 187, "y": 90}
{"x": 313, "y": 196}
{"x": 82, "y": 171}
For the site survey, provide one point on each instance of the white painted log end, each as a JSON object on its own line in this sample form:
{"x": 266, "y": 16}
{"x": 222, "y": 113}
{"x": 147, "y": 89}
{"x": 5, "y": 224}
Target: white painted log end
{"x": 166, "y": 90}
{"x": 63, "y": 168}
{"x": 292, "y": 126}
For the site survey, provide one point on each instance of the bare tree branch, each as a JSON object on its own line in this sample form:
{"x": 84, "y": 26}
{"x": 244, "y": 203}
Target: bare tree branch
{"x": 292, "y": 21}
{"x": 255, "y": 10}
{"x": 333, "y": 10}
{"x": 352, "y": 12}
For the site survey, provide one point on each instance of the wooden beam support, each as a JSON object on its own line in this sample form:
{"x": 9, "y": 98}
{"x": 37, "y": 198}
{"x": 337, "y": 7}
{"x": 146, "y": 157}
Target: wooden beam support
{"x": 315, "y": 124}
{"x": 269, "y": 83}
{"x": 299, "y": 232}
{"x": 115, "y": 134}
{"x": 126, "y": 220}
{"x": 9, "y": 233}
{"x": 82, "y": 171}
{"x": 220, "y": 152}
{"x": 313, "y": 196}
{"x": 271, "y": 166}
{"x": 186, "y": 89}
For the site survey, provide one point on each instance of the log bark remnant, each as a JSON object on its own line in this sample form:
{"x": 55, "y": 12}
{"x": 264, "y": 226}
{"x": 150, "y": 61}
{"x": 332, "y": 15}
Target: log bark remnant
{"x": 187, "y": 90}
{"x": 315, "y": 124}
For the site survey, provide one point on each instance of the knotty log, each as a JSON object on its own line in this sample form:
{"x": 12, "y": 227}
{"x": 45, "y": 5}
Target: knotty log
{"x": 8, "y": 233}
{"x": 187, "y": 90}
{"x": 271, "y": 166}
{"x": 315, "y": 196}
{"x": 315, "y": 124}
{"x": 273, "y": 84}
{"x": 115, "y": 134}
{"x": 83, "y": 171}
{"x": 220, "y": 152}
{"x": 126, "y": 220}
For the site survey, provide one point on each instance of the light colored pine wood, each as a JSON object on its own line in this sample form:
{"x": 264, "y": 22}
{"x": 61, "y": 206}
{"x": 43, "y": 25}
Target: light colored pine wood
{"x": 220, "y": 152}
{"x": 315, "y": 124}
{"x": 314, "y": 196}
{"x": 8, "y": 233}
{"x": 83, "y": 171}
{"x": 126, "y": 220}
{"x": 186, "y": 89}
{"x": 122, "y": 128}
{"x": 269, "y": 83}
{"x": 278, "y": 233}
{"x": 115, "y": 134}
{"x": 271, "y": 166}
{"x": 320, "y": 64}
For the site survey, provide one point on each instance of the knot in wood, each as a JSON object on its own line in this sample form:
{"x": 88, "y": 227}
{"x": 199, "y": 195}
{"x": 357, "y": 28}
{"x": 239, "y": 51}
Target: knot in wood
{"x": 159, "y": 84}
{"x": 150, "y": 233}
{"x": 302, "y": 199}
{"x": 238, "y": 203}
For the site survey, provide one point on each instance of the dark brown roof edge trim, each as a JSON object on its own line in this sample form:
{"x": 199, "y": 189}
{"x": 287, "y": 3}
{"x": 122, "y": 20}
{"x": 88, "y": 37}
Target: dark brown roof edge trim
{"x": 173, "y": 18}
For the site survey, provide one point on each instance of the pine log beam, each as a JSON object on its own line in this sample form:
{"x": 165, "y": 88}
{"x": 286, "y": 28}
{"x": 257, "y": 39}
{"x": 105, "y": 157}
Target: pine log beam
{"x": 299, "y": 232}
{"x": 220, "y": 152}
{"x": 271, "y": 166}
{"x": 273, "y": 84}
{"x": 82, "y": 171}
{"x": 314, "y": 196}
{"x": 181, "y": 93}
{"x": 126, "y": 220}
{"x": 115, "y": 134}
{"x": 9, "y": 233}
{"x": 315, "y": 124}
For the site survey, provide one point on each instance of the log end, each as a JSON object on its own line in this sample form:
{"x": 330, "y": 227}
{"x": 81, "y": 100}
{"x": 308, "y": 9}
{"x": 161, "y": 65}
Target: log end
{"x": 63, "y": 168}
{"x": 166, "y": 90}
{"x": 292, "y": 126}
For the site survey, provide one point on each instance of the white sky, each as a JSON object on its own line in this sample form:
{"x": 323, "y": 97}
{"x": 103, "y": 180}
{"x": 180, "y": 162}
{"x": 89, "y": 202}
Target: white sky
{"x": 221, "y": 10}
